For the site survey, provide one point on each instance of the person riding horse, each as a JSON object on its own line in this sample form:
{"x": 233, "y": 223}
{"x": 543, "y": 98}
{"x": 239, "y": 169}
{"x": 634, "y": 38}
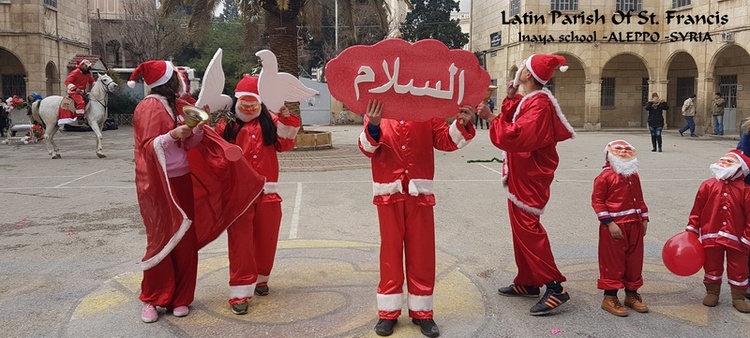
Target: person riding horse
{"x": 77, "y": 82}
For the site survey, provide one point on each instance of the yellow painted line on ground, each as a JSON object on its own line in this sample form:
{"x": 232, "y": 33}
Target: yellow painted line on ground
{"x": 100, "y": 302}
{"x": 457, "y": 296}
{"x": 130, "y": 280}
{"x": 694, "y": 313}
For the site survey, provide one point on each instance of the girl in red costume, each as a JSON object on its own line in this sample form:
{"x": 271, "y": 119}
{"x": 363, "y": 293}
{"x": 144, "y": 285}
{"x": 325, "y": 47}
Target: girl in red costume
{"x": 253, "y": 239}
{"x": 188, "y": 192}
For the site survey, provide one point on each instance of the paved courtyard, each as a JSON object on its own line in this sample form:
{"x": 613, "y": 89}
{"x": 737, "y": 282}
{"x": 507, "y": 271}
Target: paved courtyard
{"x": 71, "y": 238}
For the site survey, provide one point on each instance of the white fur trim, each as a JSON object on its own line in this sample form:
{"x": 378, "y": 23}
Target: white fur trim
{"x": 380, "y": 189}
{"x": 271, "y": 188}
{"x": 287, "y": 132}
{"x": 457, "y": 136}
{"x": 165, "y": 77}
{"x": 728, "y": 235}
{"x": 743, "y": 164}
{"x": 184, "y": 226}
{"x": 563, "y": 68}
{"x": 602, "y": 214}
{"x": 645, "y": 214}
{"x": 745, "y": 241}
{"x": 558, "y": 110}
{"x": 241, "y": 94}
{"x": 529, "y": 209}
{"x": 262, "y": 279}
{"x": 420, "y": 187}
{"x": 711, "y": 277}
{"x": 366, "y": 145}
{"x": 420, "y": 303}
{"x": 241, "y": 291}
{"x": 61, "y": 122}
{"x": 71, "y": 86}
{"x": 390, "y": 302}
{"x": 736, "y": 283}
{"x": 690, "y": 228}
{"x": 131, "y": 84}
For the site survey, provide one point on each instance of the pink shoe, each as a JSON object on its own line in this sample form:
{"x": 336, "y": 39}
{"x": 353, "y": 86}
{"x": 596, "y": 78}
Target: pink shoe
{"x": 181, "y": 311}
{"x": 149, "y": 314}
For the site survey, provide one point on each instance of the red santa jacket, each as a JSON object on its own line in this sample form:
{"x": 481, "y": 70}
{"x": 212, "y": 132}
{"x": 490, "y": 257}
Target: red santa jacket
{"x": 403, "y": 160}
{"x": 77, "y": 80}
{"x": 618, "y": 198}
{"x": 262, "y": 157}
{"x": 721, "y": 214}
{"x": 528, "y": 130}
{"x": 222, "y": 190}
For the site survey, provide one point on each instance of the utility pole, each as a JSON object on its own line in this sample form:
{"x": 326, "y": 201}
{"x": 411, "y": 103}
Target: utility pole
{"x": 336, "y": 14}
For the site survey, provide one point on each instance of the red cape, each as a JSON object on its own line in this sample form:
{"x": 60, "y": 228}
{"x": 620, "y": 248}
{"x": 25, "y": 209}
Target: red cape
{"x": 222, "y": 190}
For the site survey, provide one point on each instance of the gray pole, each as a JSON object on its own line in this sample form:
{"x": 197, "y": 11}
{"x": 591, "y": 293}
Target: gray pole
{"x": 336, "y": 14}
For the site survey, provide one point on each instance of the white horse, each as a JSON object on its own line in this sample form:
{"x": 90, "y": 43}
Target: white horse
{"x": 46, "y": 110}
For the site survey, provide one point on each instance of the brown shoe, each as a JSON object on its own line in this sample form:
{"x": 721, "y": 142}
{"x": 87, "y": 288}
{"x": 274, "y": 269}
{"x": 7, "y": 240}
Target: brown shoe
{"x": 712, "y": 294}
{"x": 634, "y": 301}
{"x": 738, "y": 301}
{"x": 612, "y": 305}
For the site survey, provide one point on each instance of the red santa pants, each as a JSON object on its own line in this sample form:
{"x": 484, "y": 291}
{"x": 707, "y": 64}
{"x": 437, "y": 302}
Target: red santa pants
{"x": 171, "y": 283}
{"x": 737, "y": 269}
{"x": 621, "y": 260}
{"x": 243, "y": 271}
{"x": 78, "y": 99}
{"x": 406, "y": 229}
{"x": 266, "y": 218}
{"x": 534, "y": 259}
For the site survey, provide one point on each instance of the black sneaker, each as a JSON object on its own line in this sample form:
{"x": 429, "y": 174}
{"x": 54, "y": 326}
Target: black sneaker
{"x": 240, "y": 308}
{"x": 81, "y": 120}
{"x": 384, "y": 327}
{"x": 261, "y": 290}
{"x": 427, "y": 326}
{"x": 514, "y": 290}
{"x": 550, "y": 301}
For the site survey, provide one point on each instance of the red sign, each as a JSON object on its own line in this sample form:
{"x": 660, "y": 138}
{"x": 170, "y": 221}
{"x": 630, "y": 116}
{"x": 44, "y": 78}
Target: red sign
{"x": 418, "y": 81}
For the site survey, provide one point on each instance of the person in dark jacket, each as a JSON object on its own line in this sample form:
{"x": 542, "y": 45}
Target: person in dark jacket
{"x": 656, "y": 109}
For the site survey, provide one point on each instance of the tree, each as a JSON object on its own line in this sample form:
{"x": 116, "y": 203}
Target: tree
{"x": 146, "y": 35}
{"x": 431, "y": 19}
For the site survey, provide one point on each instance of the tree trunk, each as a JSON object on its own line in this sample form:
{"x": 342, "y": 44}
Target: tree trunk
{"x": 283, "y": 43}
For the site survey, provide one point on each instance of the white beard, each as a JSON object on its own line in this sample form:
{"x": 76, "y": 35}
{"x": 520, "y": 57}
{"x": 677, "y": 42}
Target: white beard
{"x": 725, "y": 173}
{"x": 517, "y": 79}
{"x": 622, "y": 167}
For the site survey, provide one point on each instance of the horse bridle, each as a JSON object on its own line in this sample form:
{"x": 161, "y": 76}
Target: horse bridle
{"x": 106, "y": 89}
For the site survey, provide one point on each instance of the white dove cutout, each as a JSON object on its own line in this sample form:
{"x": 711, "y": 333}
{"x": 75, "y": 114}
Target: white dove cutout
{"x": 213, "y": 85}
{"x": 276, "y": 88}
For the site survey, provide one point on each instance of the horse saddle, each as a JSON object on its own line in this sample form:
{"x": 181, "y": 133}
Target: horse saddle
{"x": 68, "y": 104}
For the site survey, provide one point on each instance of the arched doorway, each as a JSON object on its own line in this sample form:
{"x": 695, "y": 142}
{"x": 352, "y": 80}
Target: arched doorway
{"x": 52, "y": 85}
{"x": 569, "y": 88}
{"x": 729, "y": 66}
{"x": 624, "y": 92}
{"x": 12, "y": 75}
{"x": 682, "y": 75}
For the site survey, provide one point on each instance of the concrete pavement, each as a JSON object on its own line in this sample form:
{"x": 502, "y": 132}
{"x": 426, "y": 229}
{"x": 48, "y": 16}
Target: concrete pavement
{"x": 71, "y": 238}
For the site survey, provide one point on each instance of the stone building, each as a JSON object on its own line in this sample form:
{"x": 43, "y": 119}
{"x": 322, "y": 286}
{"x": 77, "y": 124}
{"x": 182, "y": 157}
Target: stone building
{"x": 37, "y": 40}
{"x": 672, "y": 47}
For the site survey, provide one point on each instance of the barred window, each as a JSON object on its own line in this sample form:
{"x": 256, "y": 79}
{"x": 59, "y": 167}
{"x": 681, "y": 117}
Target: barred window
{"x": 681, "y": 3}
{"x": 564, "y": 5}
{"x": 644, "y": 91}
{"x": 51, "y": 3}
{"x": 515, "y": 7}
{"x": 608, "y": 92}
{"x": 629, "y": 5}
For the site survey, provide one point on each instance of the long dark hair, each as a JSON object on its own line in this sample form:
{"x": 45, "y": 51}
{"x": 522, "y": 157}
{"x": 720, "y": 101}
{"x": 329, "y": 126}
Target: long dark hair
{"x": 267, "y": 126}
{"x": 169, "y": 90}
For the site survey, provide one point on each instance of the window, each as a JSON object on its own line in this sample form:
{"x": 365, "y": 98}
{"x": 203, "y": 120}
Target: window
{"x": 50, "y": 3}
{"x": 14, "y": 85}
{"x": 728, "y": 89}
{"x": 681, "y": 3}
{"x": 685, "y": 88}
{"x": 564, "y": 5}
{"x": 644, "y": 91}
{"x": 629, "y": 5}
{"x": 550, "y": 85}
{"x": 608, "y": 92}
{"x": 515, "y": 7}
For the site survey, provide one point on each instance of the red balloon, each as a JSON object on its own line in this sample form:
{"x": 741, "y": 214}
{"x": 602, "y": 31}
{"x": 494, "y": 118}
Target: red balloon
{"x": 683, "y": 254}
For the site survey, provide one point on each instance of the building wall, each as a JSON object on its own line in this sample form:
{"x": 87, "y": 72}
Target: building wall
{"x": 662, "y": 61}
{"x": 37, "y": 36}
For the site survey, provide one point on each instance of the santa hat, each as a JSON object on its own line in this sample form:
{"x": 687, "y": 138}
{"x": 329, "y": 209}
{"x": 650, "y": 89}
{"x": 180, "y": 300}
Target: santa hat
{"x": 542, "y": 66}
{"x": 742, "y": 159}
{"x": 155, "y": 73}
{"x": 82, "y": 62}
{"x": 184, "y": 80}
{"x": 606, "y": 149}
{"x": 247, "y": 86}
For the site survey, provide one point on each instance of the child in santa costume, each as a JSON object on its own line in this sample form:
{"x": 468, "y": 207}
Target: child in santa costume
{"x": 617, "y": 200}
{"x": 528, "y": 130}
{"x": 182, "y": 181}
{"x": 252, "y": 240}
{"x": 720, "y": 216}
{"x": 403, "y": 167}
